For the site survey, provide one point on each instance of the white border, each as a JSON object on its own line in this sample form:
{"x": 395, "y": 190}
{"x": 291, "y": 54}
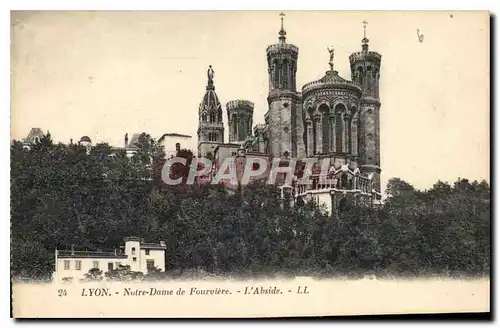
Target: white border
{"x": 491, "y": 5}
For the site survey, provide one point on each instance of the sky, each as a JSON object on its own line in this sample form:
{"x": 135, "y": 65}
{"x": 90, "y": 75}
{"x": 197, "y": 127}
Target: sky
{"x": 104, "y": 74}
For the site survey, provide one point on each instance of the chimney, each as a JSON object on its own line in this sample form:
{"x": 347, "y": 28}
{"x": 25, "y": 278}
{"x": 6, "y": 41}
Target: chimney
{"x": 72, "y": 249}
{"x": 71, "y": 141}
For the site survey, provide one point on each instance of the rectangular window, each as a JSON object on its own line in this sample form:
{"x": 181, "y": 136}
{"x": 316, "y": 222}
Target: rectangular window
{"x": 66, "y": 264}
{"x": 78, "y": 265}
{"x": 110, "y": 266}
{"x": 150, "y": 265}
{"x": 147, "y": 251}
{"x": 134, "y": 259}
{"x": 96, "y": 265}
{"x": 133, "y": 250}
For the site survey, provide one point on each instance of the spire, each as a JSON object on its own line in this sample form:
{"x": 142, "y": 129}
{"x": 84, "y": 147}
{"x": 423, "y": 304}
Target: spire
{"x": 282, "y": 32}
{"x": 365, "y": 39}
{"x": 210, "y": 74}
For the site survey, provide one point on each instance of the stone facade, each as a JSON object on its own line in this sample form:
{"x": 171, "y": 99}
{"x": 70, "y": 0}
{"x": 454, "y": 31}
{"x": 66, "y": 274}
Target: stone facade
{"x": 331, "y": 118}
{"x": 240, "y": 119}
{"x": 211, "y": 125}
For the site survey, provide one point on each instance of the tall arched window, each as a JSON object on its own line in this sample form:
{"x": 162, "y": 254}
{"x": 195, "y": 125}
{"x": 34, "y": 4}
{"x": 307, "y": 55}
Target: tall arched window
{"x": 235, "y": 125}
{"x": 339, "y": 133}
{"x": 369, "y": 78}
{"x": 360, "y": 76}
{"x": 212, "y": 117}
{"x": 354, "y": 132}
{"x": 325, "y": 127}
{"x": 349, "y": 136}
{"x": 204, "y": 117}
{"x": 276, "y": 69}
{"x": 285, "y": 74}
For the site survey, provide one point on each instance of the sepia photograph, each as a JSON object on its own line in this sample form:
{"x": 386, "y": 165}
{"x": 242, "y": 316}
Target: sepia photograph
{"x": 249, "y": 163}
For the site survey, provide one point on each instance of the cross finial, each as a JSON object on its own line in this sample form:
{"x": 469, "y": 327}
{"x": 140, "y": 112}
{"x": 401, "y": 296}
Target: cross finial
{"x": 364, "y": 28}
{"x": 282, "y": 30}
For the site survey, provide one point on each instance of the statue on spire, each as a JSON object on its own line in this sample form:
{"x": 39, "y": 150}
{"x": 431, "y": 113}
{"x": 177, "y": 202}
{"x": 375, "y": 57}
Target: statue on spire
{"x": 210, "y": 74}
{"x": 332, "y": 55}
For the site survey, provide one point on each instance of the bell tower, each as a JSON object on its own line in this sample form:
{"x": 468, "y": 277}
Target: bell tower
{"x": 365, "y": 71}
{"x": 210, "y": 125}
{"x": 284, "y": 115}
{"x": 240, "y": 119}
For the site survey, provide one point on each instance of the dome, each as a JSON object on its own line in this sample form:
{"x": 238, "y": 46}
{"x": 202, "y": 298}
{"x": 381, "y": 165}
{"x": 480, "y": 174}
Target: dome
{"x": 210, "y": 101}
{"x": 85, "y": 139}
{"x": 331, "y": 80}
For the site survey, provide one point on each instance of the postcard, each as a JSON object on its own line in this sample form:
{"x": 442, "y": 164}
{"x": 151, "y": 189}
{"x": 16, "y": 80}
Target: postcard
{"x": 249, "y": 164}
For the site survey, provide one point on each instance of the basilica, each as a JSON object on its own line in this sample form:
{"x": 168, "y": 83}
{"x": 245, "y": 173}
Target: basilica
{"x": 332, "y": 118}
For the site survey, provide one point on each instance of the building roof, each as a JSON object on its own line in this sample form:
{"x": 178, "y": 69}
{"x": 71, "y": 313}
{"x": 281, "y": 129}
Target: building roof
{"x": 177, "y": 135}
{"x": 152, "y": 246}
{"x": 34, "y": 132}
{"x": 210, "y": 101}
{"x": 86, "y": 254}
{"x": 331, "y": 80}
{"x": 85, "y": 139}
{"x": 134, "y": 140}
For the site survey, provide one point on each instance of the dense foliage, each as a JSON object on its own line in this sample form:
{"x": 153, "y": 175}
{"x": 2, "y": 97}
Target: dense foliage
{"x": 61, "y": 196}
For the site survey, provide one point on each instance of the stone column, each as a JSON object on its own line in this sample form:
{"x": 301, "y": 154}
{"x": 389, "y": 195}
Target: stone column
{"x": 310, "y": 137}
{"x": 354, "y": 137}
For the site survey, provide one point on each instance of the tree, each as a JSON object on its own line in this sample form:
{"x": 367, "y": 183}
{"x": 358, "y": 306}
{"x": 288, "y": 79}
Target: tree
{"x": 94, "y": 274}
{"x": 123, "y": 273}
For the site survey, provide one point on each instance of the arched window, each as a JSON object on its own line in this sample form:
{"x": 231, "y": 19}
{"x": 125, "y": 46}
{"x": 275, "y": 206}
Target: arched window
{"x": 276, "y": 79}
{"x": 235, "y": 125}
{"x": 369, "y": 78}
{"x": 285, "y": 74}
{"x": 204, "y": 117}
{"x": 325, "y": 127}
{"x": 212, "y": 117}
{"x": 360, "y": 75}
{"x": 339, "y": 133}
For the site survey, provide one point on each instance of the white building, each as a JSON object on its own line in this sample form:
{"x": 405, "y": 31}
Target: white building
{"x": 140, "y": 256}
{"x": 173, "y": 142}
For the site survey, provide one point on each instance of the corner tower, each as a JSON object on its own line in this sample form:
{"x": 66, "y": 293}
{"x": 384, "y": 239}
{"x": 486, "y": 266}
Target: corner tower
{"x": 365, "y": 71}
{"x": 210, "y": 126}
{"x": 240, "y": 119}
{"x": 284, "y": 115}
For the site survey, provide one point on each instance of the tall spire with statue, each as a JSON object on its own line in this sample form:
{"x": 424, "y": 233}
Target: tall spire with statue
{"x": 210, "y": 74}
{"x": 332, "y": 55}
{"x": 210, "y": 123}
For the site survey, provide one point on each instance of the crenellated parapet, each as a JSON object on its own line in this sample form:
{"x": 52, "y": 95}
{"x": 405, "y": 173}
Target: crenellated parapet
{"x": 240, "y": 105}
